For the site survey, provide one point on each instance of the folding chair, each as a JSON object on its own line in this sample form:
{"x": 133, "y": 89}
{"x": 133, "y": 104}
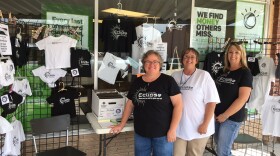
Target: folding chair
{"x": 51, "y": 125}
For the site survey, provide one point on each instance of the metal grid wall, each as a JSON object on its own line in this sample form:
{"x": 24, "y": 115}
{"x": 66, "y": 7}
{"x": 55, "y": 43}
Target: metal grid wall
{"x": 35, "y": 106}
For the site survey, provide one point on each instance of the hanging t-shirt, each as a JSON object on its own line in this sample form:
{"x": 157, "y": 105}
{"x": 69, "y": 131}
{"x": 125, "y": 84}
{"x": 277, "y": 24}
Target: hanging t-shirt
{"x": 147, "y": 36}
{"x": 22, "y": 87}
{"x": 176, "y": 38}
{"x": 57, "y": 51}
{"x": 197, "y": 90}
{"x": 262, "y": 83}
{"x": 110, "y": 67}
{"x": 214, "y": 62}
{"x": 63, "y": 102}
{"x": 253, "y": 64}
{"x": 5, "y": 43}
{"x": 20, "y": 51}
{"x": 5, "y": 126}
{"x": 49, "y": 75}
{"x": 117, "y": 36}
{"x": 7, "y": 71}
{"x": 9, "y": 102}
{"x": 271, "y": 116}
{"x": 80, "y": 60}
{"x": 13, "y": 139}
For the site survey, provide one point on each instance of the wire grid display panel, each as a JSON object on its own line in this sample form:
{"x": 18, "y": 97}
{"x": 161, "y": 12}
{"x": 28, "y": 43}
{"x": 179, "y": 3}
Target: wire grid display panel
{"x": 35, "y": 106}
{"x": 264, "y": 47}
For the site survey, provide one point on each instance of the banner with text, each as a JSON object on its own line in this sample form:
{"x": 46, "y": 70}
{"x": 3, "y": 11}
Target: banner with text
{"x": 63, "y": 23}
{"x": 249, "y": 23}
{"x": 206, "y": 23}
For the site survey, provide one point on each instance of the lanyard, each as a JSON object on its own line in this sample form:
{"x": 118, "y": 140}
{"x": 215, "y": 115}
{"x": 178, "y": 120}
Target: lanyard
{"x": 187, "y": 79}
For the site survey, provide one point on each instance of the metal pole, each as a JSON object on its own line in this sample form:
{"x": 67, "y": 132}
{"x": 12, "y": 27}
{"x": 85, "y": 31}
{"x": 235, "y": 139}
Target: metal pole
{"x": 95, "y": 44}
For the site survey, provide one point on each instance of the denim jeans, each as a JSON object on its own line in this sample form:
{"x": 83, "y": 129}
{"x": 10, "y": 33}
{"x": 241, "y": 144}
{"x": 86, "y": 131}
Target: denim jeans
{"x": 157, "y": 146}
{"x": 225, "y": 134}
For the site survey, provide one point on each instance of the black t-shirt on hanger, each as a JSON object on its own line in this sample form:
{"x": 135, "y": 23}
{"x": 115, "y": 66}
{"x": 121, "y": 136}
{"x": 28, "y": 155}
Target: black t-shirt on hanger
{"x": 253, "y": 64}
{"x": 118, "y": 36}
{"x": 214, "y": 62}
{"x": 80, "y": 59}
{"x": 63, "y": 102}
{"x": 19, "y": 51}
{"x": 9, "y": 102}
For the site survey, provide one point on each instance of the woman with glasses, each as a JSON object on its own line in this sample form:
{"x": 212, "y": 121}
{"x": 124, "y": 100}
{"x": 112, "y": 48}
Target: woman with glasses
{"x": 200, "y": 97}
{"x": 156, "y": 102}
{"x": 234, "y": 85}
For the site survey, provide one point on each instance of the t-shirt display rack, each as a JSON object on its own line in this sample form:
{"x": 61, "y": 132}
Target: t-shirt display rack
{"x": 35, "y": 106}
{"x": 262, "y": 47}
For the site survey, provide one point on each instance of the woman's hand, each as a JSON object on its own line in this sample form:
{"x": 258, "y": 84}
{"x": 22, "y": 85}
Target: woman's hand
{"x": 221, "y": 118}
{"x": 171, "y": 135}
{"x": 116, "y": 129}
{"x": 202, "y": 129}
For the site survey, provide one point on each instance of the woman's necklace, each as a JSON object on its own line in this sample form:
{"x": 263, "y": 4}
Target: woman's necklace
{"x": 181, "y": 83}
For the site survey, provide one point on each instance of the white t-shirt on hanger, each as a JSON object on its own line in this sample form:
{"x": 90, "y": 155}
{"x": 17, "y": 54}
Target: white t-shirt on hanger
{"x": 13, "y": 139}
{"x": 49, "y": 75}
{"x": 262, "y": 83}
{"x": 7, "y": 71}
{"x": 271, "y": 116}
{"x": 146, "y": 36}
{"x": 57, "y": 51}
{"x": 22, "y": 87}
{"x": 5, "y": 126}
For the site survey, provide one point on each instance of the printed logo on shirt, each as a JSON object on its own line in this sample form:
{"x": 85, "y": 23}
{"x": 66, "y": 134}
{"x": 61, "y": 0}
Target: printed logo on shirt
{"x": 116, "y": 32}
{"x": 12, "y": 105}
{"x": 19, "y": 91}
{"x": 49, "y": 75}
{"x": 225, "y": 80}
{"x": 83, "y": 62}
{"x": 15, "y": 141}
{"x": 8, "y": 77}
{"x": 216, "y": 67}
{"x": 190, "y": 88}
{"x": 11, "y": 67}
{"x": 111, "y": 65}
{"x": 142, "y": 42}
{"x": 263, "y": 74}
{"x": 56, "y": 42}
{"x": 63, "y": 100}
{"x": 274, "y": 108}
{"x": 141, "y": 95}
{"x": 263, "y": 65}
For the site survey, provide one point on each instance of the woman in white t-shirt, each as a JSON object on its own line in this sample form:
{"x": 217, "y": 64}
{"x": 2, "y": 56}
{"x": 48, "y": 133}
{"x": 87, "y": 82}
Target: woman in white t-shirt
{"x": 200, "y": 97}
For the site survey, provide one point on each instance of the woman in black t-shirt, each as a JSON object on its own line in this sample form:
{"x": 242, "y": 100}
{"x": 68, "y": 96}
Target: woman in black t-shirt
{"x": 156, "y": 102}
{"x": 234, "y": 85}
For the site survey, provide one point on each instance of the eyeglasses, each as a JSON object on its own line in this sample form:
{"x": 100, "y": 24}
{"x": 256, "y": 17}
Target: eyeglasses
{"x": 189, "y": 57}
{"x": 152, "y": 62}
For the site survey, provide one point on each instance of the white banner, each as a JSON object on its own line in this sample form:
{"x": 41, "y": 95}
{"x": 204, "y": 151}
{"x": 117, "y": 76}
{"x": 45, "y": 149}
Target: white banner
{"x": 206, "y": 23}
{"x": 249, "y": 22}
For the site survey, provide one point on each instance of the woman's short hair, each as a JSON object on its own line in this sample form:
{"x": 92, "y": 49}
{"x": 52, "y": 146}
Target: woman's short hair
{"x": 152, "y": 52}
{"x": 190, "y": 50}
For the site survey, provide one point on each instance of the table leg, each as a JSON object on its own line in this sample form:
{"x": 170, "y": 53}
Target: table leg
{"x": 100, "y": 145}
{"x": 104, "y": 144}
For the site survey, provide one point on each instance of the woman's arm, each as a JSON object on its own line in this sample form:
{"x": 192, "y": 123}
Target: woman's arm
{"x": 243, "y": 96}
{"x": 176, "y": 116}
{"x": 127, "y": 112}
{"x": 209, "y": 113}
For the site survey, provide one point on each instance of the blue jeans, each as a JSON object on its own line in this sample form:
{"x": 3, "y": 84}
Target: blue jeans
{"x": 225, "y": 134}
{"x": 144, "y": 146}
